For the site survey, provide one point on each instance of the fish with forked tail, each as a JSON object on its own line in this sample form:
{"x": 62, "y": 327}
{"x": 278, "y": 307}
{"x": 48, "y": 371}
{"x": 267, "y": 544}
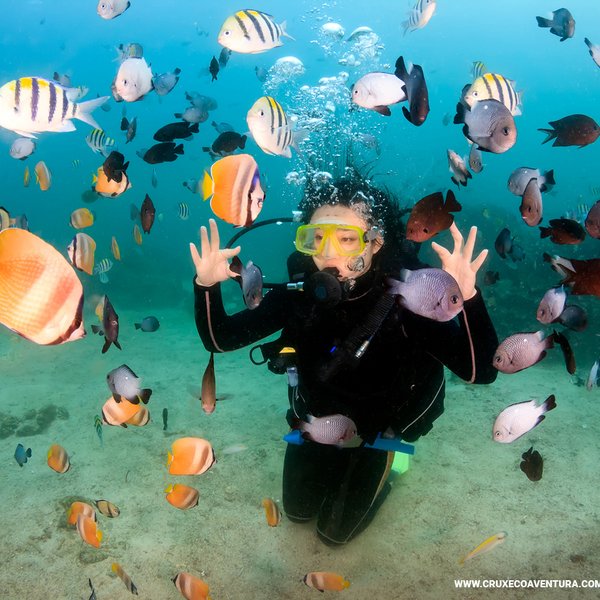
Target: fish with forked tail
{"x": 110, "y": 326}
{"x": 583, "y": 276}
{"x": 517, "y": 419}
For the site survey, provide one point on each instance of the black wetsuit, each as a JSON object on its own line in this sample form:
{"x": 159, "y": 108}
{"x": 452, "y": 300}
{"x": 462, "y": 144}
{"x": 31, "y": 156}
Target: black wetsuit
{"x": 398, "y": 384}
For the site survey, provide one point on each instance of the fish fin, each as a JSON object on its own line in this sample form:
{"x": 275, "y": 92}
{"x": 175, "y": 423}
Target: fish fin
{"x": 207, "y": 186}
{"x": 459, "y": 117}
{"x": 550, "y": 403}
{"x": 401, "y": 72}
{"x": 106, "y": 346}
{"x": 549, "y": 180}
{"x": 243, "y": 139}
{"x": 383, "y": 110}
{"x": 85, "y": 109}
{"x": 545, "y": 232}
{"x": 543, "y": 22}
{"x": 96, "y": 329}
{"x": 138, "y": 325}
{"x": 144, "y": 395}
{"x": 406, "y": 113}
{"x": 452, "y": 204}
{"x": 551, "y": 133}
{"x": 116, "y": 343}
{"x": 117, "y": 397}
{"x": 284, "y": 32}
{"x": 567, "y": 351}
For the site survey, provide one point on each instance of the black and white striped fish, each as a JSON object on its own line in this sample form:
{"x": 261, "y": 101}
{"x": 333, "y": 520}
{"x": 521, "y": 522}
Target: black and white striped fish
{"x": 251, "y": 31}
{"x": 183, "y": 211}
{"x": 420, "y": 15}
{"x": 31, "y": 105}
{"x": 478, "y": 69}
{"x": 270, "y": 127}
{"x": 491, "y": 86}
{"x": 99, "y": 142}
{"x": 103, "y": 266}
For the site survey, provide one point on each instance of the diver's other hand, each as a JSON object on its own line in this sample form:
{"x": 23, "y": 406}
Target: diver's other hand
{"x": 213, "y": 265}
{"x": 458, "y": 263}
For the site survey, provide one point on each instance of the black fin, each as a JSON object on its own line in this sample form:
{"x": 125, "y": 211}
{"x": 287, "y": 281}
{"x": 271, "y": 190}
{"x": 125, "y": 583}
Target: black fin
{"x": 563, "y": 342}
{"x": 543, "y": 22}
{"x": 383, "y": 110}
{"x": 551, "y": 133}
{"x": 406, "y": 113}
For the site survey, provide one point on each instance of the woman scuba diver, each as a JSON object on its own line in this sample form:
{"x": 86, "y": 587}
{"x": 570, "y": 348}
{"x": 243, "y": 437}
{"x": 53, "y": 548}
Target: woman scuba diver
{"x": 360, "y": 366}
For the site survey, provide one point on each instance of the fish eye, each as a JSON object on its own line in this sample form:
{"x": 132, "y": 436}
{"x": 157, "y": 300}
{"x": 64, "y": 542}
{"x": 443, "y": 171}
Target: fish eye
{"x": 227, "y": 32}
{"x": 261, "y": 113}
{"x": 506, "y": 130}
{"x": 425, "y": 230}
{"x": 497, "y": 358}
{"x": 475, "y": 93}
{"x": 124, "y": 81}
{"x": 497, "y": 434}
{"x": 454, "y": 298}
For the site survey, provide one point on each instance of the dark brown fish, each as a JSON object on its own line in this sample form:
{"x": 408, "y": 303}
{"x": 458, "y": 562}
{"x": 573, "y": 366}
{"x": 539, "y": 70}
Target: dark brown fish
{"x": 531, "y": 204}
{"x": 160, "y": 153}
{"x": 574, "y": 317}
{"x": 574, "y": 130}
{"x": 592, "y": 221}
{"x": 226, "y": 143}
{"x": 179, "y": 130}
{"x": 214, "y": 68}
{"x": 564, "y": 231}
{"x": 147, "y": 213}
{"x": 114, "y": 166}
{"x": 430, "y": 215}
{"x": 208, "y": 394}
{"x": 491, "y": 277}
{"x": 110, "y": 324}
{"x": 582, "y": 275}
{"x": 532, "y": 464}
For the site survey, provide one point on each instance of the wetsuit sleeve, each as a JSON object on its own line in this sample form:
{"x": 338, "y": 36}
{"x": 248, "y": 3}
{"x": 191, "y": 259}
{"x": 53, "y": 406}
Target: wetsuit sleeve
{"x": 221, "y": 332}
{"x": 466, "y": 347}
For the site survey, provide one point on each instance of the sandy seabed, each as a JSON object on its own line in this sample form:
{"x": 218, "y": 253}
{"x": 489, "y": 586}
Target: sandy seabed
{"x": 460, "y": 489}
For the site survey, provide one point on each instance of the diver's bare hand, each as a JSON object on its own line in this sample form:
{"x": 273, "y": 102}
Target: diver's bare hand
{"x": 213, "y": 265}
{"x": 458, "y": 263}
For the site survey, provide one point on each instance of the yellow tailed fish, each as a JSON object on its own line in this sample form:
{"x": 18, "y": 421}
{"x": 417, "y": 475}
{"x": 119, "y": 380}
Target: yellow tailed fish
{"x": 485, "y": 546}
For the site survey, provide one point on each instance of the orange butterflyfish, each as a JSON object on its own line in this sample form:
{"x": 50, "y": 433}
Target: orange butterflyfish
{"x": 88, "y": 530}
{"x": 81, "y": 218}
{"x": 485, "y": 546}
{"x": 119, "y": 413}
{"x": 182, "y": 496}
{"x": 41, "y": 297}
{"x": 26, "y": 177}
{"x": 271, "y": 512}
{"x": 118, "y": 569}
{"x": 81, "y": 251}
{"x": 141, "y": 417}
{"x": 109, "y": 189}
{"x": 322, "y": 580}
{"x": 191, "y": 587}
{"x": 58, "y": 459}
{"x": 115, "y": 248}
{"x": 137, "y": 235}
{"x": 43, "y": 177}
{"x": 234, "y": 188}
{"x": 190, "y": 456}
{"x": 80, "y": 508}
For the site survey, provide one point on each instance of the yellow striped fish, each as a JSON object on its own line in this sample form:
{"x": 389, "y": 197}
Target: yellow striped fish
{"x": 31, "y": 105}
{"x": 491, "y": 86}
{"x": 137, "y": 235}
{"x": 478, "y": 69}
{"x": 485, "y": 546}
{"x": 251, "y": 32}
{"x": 26, "y": 177}
{"x": 103, "y": 266}
{"x": 114, "y": 246}
{"x": 270, "y": 127}
{"x": 99, "y": 142}
{"x": 419, "y": 16}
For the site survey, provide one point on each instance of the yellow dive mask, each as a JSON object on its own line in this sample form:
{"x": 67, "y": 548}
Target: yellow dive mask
{"x": 346, "y": 240}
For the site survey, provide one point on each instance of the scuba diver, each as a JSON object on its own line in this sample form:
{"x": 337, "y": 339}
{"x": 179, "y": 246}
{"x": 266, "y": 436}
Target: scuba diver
{"x": 361, "y": 368}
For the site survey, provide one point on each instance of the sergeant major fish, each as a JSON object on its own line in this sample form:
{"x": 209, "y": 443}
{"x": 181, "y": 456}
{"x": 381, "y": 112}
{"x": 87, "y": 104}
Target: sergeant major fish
{"x": 420, "y": 15}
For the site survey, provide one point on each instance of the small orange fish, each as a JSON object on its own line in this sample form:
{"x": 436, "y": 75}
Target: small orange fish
{"x": 182, "y": 496}
{"x": 115, "y": 248}
{"x": 119, "y": 413}
{"x": 484, "y": 547}
{"x": 112, "y": 188}
{"x": 26, "y": 177}
{"x": 190, "y": 456}
{"x": 322, "y": 580}
{"x": 191, "y": 587}
{"x": 43, "y": 177}
{"x": 81, "y": 218}
{"x": 58, "y": 459}
{"x": 208, "y": 393}
{"x": 271, "y": 512}
{"x": 137, "y": 235}
{"x": 88, "y": 530}
{"x": 80, "y": 508}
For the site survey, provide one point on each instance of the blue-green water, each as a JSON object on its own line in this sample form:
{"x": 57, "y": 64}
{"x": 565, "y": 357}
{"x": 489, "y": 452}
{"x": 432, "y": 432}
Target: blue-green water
{"x": 461, "y": 488}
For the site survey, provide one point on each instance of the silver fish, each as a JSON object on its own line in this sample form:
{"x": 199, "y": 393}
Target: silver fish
{"x": 330, "y": 430}
{"x": 517, "y": 419}
{"x": 519, "y": 178}
{"x": 475, "y": 160}
{"x": 430, "y": 293}
{"x": 458, "y": 168}
{"x": 165, "y": 82}
{"x": 551, "y": 305}
{"x": 521, "y": 351}
{"x": 592, "y": 380}
{"x": 124, "y": 383}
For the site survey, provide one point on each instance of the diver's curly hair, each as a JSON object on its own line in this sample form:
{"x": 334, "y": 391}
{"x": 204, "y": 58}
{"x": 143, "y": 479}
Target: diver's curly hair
{"x": 377, "y": 207}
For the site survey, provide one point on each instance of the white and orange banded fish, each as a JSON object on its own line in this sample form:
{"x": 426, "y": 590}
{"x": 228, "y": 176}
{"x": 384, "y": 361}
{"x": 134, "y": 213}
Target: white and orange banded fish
{"x": 323, "y": 580}
{"x": 43, "y": 177}
{"x": 88, "y": 530}
{"x": 80, "y": 508}
{"x": 485, "y": 546}
{"x": 58, "y": 459}
{"x": 141, "y": 417}
{"x": 234, "y": 189}
{"x": 119, "y": 413}
{"x": 118, "y": 569}
{"x": 81, "y": 251}
{"x": 31, "y": 105}
{"x": 190, "y": 456}
{"x": 191, "y": 587}
{"x": 182, "y": 496}
{"x": 272, "y": 512}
